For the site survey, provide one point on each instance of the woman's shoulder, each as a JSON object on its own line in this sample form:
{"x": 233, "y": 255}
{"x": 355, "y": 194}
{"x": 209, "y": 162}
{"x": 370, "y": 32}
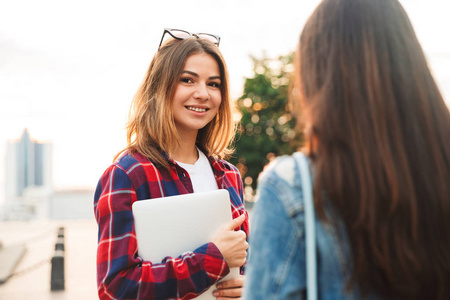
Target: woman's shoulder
{"x": 136, "y": 171}
{"x": 281, "y": 179}
{"x": 223, "y": 165}
{"x": 130, "y": 160}
{"x": 134, "y": 164}
{"x": 282, "y": 169}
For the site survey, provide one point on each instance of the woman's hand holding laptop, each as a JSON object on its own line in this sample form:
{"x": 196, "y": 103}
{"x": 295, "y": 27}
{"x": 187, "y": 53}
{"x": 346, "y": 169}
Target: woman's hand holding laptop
{"x": 232, "y": 244}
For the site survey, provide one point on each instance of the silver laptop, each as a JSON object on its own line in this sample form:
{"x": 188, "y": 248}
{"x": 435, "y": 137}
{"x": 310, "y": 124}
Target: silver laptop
{"x": 171, "y": 226}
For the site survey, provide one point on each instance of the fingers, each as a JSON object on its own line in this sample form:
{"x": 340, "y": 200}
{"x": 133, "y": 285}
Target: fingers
{"x": 231, "y": 283}
{"x": 232, "y": 244}
{"x": 228, "y": 293}
{"x": 235, "y": 223}
{"x": 230, "y": 288}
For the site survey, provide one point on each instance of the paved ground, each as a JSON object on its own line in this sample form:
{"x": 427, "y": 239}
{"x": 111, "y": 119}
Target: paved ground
{"x": 10, "y": 257}
{"x": 32, "y": 274}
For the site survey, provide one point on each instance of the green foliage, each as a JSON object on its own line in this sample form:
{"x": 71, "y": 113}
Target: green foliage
{"x": 266, "y": 129}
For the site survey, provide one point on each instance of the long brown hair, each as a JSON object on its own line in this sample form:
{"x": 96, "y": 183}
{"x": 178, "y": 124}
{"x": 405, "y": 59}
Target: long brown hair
{"x": 383, "y": 145}
{"x": 151, "y": 126}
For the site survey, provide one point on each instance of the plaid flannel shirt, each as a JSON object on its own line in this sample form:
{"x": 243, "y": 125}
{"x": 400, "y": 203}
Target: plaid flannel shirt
{"x": 121, "y": 273}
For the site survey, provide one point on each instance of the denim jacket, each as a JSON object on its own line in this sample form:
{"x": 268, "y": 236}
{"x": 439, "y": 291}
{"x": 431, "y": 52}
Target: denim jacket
{"x": 276, "y": 267}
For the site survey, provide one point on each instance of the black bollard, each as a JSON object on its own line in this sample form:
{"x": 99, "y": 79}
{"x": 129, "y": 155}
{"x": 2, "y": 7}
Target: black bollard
{"x": 59, "y": 244}
{"x": 57, "y": 280}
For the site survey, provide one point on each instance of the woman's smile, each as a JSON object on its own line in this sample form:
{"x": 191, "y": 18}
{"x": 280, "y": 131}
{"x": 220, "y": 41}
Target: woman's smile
{"x": 198, "y": 95}
{"x": 197, "y": 109}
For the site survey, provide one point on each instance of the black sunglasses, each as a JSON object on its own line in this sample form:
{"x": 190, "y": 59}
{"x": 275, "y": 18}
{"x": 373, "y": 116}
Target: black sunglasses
{"x": 183, "y": 34}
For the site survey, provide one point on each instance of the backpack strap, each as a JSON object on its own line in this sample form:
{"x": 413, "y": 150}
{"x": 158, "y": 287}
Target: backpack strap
{"x": 310, "y": 230}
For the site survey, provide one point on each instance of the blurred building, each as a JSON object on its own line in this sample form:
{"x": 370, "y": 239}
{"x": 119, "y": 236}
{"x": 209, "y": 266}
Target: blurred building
{"x": 28, "y": 178}
{"x": 71, "y": 204}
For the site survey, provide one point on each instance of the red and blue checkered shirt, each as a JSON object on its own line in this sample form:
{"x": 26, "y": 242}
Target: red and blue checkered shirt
{"x": 121, "y": 273}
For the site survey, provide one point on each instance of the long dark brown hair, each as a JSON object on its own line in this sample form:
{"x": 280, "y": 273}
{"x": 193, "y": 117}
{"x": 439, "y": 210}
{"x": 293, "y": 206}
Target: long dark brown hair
{"x": 383, "y": 145}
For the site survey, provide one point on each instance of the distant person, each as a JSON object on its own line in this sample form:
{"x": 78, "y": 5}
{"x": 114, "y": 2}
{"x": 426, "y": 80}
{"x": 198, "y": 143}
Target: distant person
{"x": 178, "y": 133}
{"x": 378, "y": 140}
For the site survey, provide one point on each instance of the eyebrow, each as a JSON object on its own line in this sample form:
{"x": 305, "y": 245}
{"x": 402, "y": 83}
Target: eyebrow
{"x": 196, "y": 75}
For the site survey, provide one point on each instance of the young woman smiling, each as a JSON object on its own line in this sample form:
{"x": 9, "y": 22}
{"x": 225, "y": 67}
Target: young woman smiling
{"x": 178, "y": 134}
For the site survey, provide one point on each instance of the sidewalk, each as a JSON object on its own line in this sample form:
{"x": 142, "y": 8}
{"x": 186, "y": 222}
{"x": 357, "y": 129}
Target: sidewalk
{"x": 32, "y": 274}
{"x": 33, "y": 271}
{"x": 10, "y": 257}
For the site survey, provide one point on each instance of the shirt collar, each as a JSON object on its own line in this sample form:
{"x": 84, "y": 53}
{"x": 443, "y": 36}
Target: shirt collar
{"x": 219, "y": 167}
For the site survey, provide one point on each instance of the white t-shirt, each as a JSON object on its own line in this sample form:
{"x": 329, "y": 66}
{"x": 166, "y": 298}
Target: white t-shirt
{"x": 201, "y": 174}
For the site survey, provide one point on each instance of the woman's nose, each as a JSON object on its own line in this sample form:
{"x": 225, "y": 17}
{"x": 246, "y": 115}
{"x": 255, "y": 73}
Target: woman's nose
{"x": 201, "y": 92}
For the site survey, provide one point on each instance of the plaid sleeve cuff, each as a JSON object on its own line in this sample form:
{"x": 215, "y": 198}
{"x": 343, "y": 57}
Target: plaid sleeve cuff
{"x": 215, "y": 266}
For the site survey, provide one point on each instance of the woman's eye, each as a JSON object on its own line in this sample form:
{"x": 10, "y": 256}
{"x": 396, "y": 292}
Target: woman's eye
{"x": 214, "y": 84}
{"x": 186, "y": 80}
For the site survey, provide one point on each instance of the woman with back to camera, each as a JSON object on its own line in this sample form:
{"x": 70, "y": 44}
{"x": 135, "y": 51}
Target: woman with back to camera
{"x": 378, "y": 140}
{"x": 179, "y": 129}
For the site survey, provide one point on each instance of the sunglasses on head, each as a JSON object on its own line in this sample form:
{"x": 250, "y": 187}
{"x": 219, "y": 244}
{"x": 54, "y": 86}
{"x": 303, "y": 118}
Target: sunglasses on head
{"x": 183, "y": 34}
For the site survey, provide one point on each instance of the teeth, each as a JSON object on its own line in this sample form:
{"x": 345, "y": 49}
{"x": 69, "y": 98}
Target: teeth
{"x": 196, "y": 109}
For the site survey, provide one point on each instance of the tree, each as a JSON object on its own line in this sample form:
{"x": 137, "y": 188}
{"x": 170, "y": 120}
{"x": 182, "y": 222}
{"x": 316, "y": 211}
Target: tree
{"x": 266, "y": 128}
